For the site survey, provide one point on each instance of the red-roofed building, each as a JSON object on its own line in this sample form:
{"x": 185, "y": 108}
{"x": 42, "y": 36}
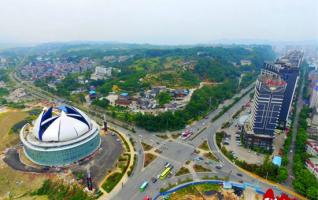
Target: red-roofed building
{"x": 312, "y": 166}
{"x": 312, "y": 147}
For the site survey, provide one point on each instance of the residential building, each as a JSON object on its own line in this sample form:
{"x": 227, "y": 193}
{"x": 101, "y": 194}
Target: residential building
{"x": 312, "y": 166}
{"x": 313, "y": 103}
{"x": 101, "y": 73}
{"x": 312, "y": 129}
{"x": 123, "y": 99}
{"x": 312, "y": 147}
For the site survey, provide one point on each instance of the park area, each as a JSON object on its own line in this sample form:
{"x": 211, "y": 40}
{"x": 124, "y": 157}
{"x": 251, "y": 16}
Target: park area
{"x": 14, "y": 184}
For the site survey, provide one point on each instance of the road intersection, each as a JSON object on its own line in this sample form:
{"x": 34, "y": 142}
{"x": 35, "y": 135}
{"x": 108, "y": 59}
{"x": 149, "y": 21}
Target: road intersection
{"x": 177, "y": 152}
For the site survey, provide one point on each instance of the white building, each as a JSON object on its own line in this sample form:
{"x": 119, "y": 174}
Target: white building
{"x": 312, "y": 147}
{"x": 60, "y": 136}
{"x": 102, "y": 73}
{"x": 312, "y": 166}
{"x": 314, "y": 96}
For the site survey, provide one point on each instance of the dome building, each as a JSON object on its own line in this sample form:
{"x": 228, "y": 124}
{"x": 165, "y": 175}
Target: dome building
{"x": 60, "y": 136}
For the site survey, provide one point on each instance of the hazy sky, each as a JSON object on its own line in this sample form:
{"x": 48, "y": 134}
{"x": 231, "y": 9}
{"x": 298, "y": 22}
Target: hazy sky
{"x": 157, "y": 21}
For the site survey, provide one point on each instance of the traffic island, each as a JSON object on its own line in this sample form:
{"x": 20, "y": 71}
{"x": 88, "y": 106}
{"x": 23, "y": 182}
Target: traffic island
{"x": 200, "y": 168}
{"x": 149, "y": 157}
{"x": 146, "y": 147}
{"x": 124, "y": 167}
{"x": 182, "y": 171}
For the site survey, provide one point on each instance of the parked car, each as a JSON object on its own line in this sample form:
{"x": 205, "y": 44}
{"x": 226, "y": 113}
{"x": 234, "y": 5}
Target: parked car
{"x": 239, "y": 174}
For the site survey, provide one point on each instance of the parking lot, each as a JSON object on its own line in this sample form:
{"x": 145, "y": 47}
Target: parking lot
{"x": 233, "y": 144}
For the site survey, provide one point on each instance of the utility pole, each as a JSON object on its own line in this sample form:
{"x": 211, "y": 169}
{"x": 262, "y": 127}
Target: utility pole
{"x": 105, "y": 123}
{"x": 228, "y": 175}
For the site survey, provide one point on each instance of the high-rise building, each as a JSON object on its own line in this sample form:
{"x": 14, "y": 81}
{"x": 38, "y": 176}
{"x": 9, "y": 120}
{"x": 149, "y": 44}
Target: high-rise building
{"x": 268, "y": 103}
{"x": 287, "y": 68}
{"x": 274, "y": 93}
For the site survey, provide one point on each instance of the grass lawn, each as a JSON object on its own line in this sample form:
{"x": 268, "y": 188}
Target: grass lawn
{"x": 16, "y": 182}
{"x": 204, "y": 146}
{"x": 200, "y": 168}
{"x": 186, "y": 193}
{"x": 146, "y": 147}
{"x": 162, "y": 136}
{"x": 149, "y": 158}
{"x": 112, "y": 181}
{"x": 175, "y": 136}
{"x": 7, "y": 120}
{"x": 194, "y": 192}
{"x": 182, "y": 170}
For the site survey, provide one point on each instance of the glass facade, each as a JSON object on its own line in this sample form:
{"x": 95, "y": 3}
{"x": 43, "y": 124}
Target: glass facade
{"x": 60, "y": 157}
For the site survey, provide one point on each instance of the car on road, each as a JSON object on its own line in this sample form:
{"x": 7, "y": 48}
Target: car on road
{"x": 239, "y": 174}
{"x": 167, "y": 164}
{"x": 218, "y": 167}
{"x": 154, "y": 179}
{"x": 113, "y": 134}
{"x": 118, "y": 140}
{"x": 147, "y": 198}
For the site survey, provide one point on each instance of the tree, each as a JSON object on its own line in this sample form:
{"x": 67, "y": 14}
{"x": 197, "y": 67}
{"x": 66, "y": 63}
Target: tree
{"x": 282, "y": 174}
{"x": 163, "y": 98}
{"x": 103, "y": 103}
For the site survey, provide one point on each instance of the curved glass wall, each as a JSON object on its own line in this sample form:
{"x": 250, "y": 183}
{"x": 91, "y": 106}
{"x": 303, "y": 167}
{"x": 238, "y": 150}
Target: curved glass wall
{"x": 59, "y": 157}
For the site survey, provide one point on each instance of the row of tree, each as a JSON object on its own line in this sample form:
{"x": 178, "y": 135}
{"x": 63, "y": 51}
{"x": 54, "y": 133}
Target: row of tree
{"x": 305, "y": 182}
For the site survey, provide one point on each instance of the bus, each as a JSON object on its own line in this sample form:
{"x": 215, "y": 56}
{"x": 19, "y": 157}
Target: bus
{"x": 143, "y": 186}
{"x": 164, "y": 174}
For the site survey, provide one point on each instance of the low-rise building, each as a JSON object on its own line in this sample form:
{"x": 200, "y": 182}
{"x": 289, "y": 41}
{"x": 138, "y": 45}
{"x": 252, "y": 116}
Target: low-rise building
{"x": 312, "y": 130}
{"x": 2, "y": 84}
{"x": 246, "y": 62}
{"x": 123, "y": 100}
{"x": 312, "y": 166}
{"x": 180, "y": 93}
{"x": 312, "y": 147}
{"x": 314, "y": 96}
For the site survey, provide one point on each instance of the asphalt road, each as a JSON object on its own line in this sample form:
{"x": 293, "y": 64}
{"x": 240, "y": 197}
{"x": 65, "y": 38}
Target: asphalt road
{"x": 291, "y": 152}
{"x": 173, "y": 153}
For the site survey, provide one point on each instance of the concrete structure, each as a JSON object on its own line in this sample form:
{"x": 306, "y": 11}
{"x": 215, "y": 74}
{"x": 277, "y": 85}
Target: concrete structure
{"x": 60, "y": 136}
{"x": 101, "y": 73}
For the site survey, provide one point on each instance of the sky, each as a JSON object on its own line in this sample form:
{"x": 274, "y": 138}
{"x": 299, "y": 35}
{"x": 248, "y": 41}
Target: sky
{"x": 158, "y": 21}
